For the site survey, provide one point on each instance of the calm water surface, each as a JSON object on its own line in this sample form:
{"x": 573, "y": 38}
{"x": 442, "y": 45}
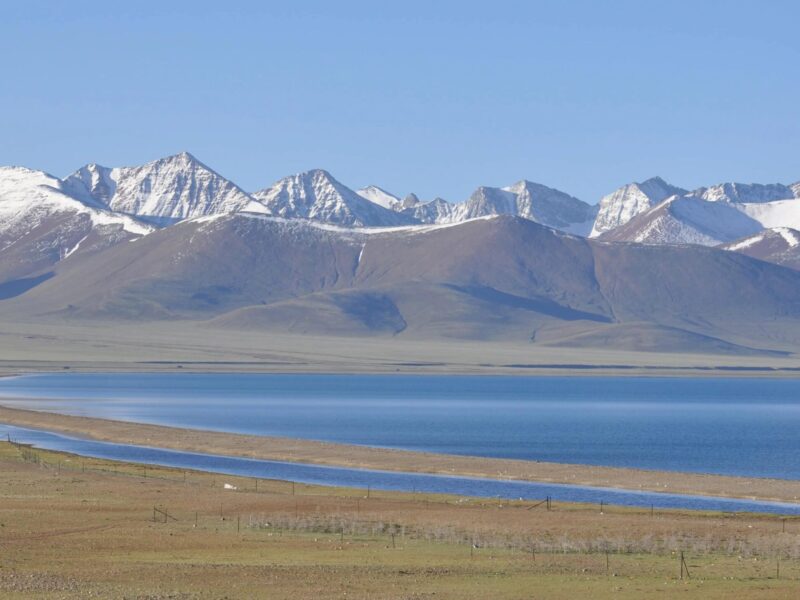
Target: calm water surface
{"x": 386, "y": 480}
{"x": 732, "y": 426}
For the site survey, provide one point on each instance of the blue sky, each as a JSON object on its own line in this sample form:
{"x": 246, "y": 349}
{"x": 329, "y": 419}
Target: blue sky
{"x": 431, "y": 97}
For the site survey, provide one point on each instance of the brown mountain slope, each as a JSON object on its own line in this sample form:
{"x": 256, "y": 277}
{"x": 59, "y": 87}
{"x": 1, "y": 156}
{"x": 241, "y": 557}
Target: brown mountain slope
{"x": 779, "y": 245}
{"x": 499, "y": 278}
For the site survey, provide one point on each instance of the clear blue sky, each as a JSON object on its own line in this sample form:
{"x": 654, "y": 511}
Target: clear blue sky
{"x": 431, "y": 97}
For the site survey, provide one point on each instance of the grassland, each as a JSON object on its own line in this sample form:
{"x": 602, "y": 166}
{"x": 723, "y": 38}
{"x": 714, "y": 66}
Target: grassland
{"x": 72, "y": 527}
{"x": 193, "y": 346}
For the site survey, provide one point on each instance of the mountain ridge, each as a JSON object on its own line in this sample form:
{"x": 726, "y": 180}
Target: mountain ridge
{"x": 484, "y": 279}
{"x": 713, "y": 270}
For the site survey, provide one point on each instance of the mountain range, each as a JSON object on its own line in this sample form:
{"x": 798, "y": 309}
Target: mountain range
{"x": 652, "y": 266}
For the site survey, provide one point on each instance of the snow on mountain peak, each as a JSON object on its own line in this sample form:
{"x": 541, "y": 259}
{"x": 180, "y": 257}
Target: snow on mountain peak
{"x": 687, "y": 219}
{"x": 317, "y": 195}
{"x": 552, "y": 207}
{"x": 28, "y": 198}
{"x": 742, "y": 193}
{"x": 623, "y": 204}
{"x": 164, "y": 190}
{"x": 379, "y": 196}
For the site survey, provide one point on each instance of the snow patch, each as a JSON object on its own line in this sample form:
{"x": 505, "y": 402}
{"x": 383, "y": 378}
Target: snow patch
{"x": 752, "y": 241}
{"x": 789, "y": 236}
{"x": 73, "y": 249}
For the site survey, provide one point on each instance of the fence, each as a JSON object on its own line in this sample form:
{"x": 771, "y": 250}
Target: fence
{"x": 781, "y": 546}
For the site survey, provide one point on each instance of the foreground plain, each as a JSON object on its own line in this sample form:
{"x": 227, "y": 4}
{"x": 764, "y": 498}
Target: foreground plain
{"x": 76, "y": 528}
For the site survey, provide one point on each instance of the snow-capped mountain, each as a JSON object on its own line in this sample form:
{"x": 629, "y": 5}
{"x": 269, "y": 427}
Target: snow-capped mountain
{"x": 533, "y": 201}
{"x": 780, "y": 213}
{"x": 779, "y": 245}
{"x": 437, "y": 210}
{"x": 552, "y": 207}
{"x": 41, "y": 224}
{"x": 741, "y": 193}
{"x": 484, "y": 201}
{"x": 318, "y": 196}
{"x": 712, "y": 215}
{"x": 620, "y": 206}
{"x": 163, "y": 191}
{"x": 686, "y": 220}
{"x": 379, "y": 196}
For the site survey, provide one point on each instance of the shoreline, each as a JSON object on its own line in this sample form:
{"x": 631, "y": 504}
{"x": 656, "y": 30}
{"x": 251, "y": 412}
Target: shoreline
{"x": 411, "y": 369}
{"x": 373, "y": 458}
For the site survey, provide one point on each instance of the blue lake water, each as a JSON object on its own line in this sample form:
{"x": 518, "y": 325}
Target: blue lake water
{"x": 387, "y": 480}
{"x": 737, "y": 426}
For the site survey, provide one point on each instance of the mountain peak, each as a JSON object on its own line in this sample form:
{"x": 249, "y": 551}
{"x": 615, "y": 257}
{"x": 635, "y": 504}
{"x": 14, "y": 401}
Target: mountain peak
{"x": 164, "y": 190}
{"x": 747, "y": 193}
{"x": 379, "y": 196}
{"x": 317, "y": 174}
{"x": 624, "y": 203}
{"x": 410, "y": 200}
{"x": 317, "y": 195}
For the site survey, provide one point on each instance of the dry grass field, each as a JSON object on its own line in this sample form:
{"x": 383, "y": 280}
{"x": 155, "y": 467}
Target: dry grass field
{"x": 193, "y": 346}
{"x": 79, "y": 528}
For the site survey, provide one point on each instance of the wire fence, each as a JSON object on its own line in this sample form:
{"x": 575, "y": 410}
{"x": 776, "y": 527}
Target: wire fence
{"x": 779, "y": 549}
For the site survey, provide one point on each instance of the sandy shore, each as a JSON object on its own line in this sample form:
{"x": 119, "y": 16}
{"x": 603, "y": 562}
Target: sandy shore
{"x": 344, "y": 455}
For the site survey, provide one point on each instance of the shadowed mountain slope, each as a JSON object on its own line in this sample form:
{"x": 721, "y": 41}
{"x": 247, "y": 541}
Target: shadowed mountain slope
{"x": 779, "y": 245}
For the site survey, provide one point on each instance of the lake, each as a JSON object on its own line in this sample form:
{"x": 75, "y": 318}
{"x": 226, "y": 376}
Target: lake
{"x": 387, "y": 480}
{"x": 735, "y": 426}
